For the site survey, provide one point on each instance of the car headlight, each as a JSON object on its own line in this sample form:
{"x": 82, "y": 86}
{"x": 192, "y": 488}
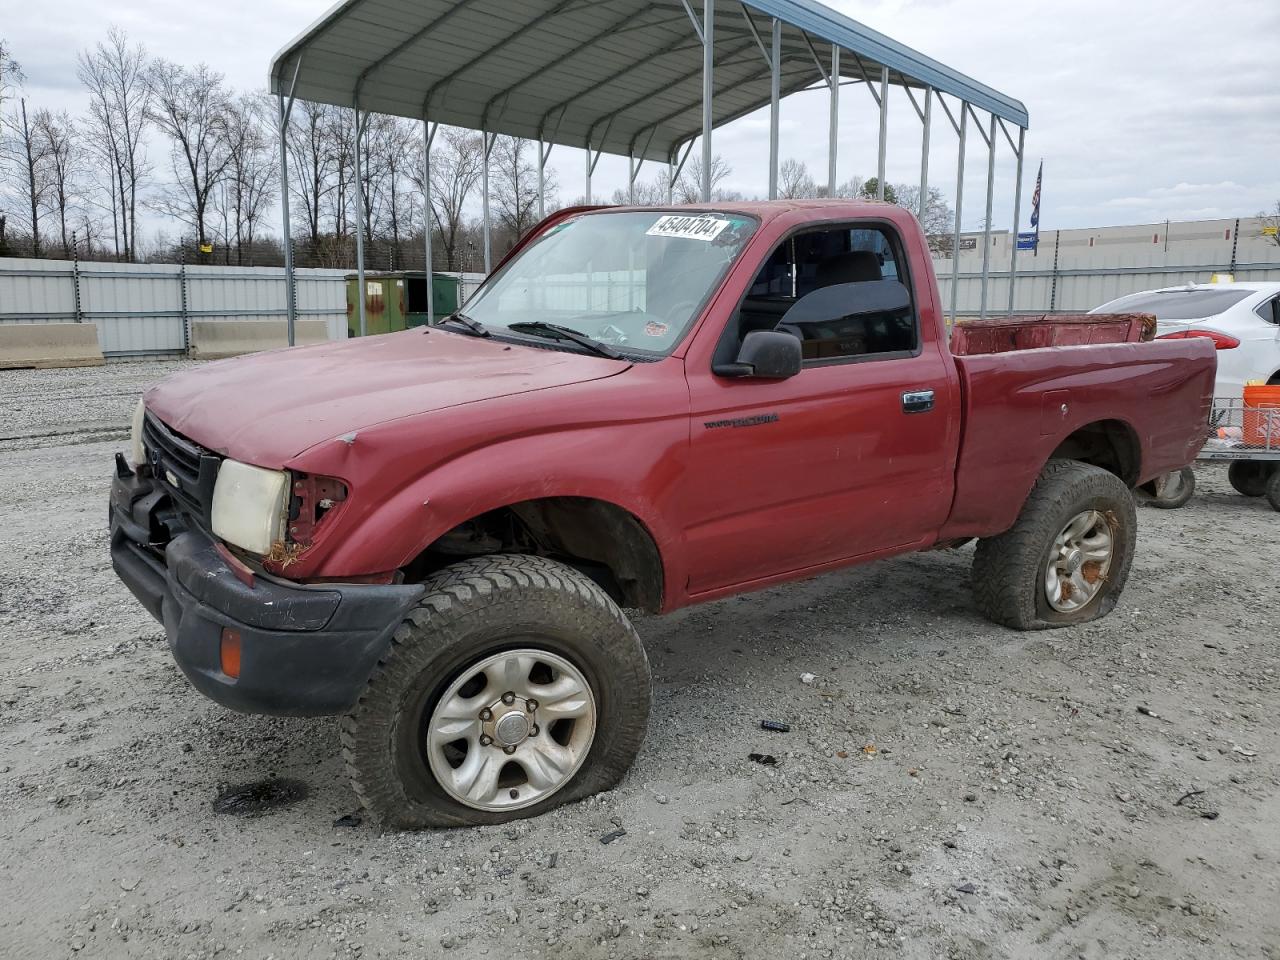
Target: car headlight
{"x": 137, "y": 452}
{"x": 249, "y": 506}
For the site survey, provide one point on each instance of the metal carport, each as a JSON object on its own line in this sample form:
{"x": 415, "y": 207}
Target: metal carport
{"x": 638, "y": 78}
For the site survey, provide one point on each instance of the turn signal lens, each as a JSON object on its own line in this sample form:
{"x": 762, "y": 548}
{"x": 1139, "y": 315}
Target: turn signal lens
{"x": 231, "y": 653}
{"x": 1220, "y": 340}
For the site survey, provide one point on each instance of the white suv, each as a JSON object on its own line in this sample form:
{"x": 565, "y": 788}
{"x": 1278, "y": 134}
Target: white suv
{"x": 1242, "y": 319}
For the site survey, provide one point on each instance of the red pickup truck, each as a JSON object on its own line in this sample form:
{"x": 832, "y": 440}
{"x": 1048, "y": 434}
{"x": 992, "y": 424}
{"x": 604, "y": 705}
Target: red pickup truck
{"x": 434, "y": 533}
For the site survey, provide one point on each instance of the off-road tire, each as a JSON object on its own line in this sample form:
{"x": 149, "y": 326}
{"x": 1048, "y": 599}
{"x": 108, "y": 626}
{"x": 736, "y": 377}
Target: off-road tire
{"x": 1008, "y": 570}
{"x": 1250, "y": 477}
{"x": 1173, "y": 491}
{"x": 473, "y": 609}
{"x": 1273, "y": 490}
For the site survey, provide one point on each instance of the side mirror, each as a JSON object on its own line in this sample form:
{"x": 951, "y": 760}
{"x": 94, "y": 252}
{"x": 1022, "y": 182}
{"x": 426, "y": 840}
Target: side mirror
{"x": 765, "y": 355}
{"x": 842, "y": 300}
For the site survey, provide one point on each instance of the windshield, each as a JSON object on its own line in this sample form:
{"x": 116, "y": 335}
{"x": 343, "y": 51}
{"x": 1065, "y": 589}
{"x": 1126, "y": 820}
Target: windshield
{"x": 634, "y": 281}
{"x": 1192, "y": 304}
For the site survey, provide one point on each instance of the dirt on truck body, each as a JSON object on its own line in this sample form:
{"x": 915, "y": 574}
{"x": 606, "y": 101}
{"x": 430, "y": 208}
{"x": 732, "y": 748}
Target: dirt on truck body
{"x": 433, "y": 534}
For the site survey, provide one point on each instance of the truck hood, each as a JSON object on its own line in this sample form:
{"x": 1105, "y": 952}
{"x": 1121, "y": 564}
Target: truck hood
{"x": 269, "y": 407}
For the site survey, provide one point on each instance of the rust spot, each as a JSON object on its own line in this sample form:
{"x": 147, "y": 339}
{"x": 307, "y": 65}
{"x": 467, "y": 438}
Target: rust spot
{"x": 1066, "y": 590}
{"x": 283, "y": 554}
{"x": 1092, "y": 572}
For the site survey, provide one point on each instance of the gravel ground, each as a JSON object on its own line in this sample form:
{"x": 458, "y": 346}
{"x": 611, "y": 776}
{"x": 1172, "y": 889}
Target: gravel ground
{"x": 949, "y": 789}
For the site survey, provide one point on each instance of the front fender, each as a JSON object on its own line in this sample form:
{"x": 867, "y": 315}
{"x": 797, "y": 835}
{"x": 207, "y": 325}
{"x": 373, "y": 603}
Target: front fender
{"x": 640, "y": 476}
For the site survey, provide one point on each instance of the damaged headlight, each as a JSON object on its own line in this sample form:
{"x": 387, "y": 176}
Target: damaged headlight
{"x": 249, "y": 506}
{"x": 137, "y": 452}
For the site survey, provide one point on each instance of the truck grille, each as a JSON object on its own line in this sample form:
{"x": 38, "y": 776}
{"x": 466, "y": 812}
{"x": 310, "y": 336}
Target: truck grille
{"x": 187, "y": 469}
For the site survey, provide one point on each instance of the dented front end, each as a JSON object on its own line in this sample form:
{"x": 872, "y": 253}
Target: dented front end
{"x": 243, "y": 634}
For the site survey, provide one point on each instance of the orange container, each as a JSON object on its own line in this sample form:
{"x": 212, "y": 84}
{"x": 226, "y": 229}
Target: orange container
{"x": 1262, "y": 415}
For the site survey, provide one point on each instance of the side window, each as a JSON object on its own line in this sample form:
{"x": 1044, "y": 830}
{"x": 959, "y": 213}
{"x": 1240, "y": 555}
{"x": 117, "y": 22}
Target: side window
{"x": 1269, "y": 310}
{"x": 863, "y": 261}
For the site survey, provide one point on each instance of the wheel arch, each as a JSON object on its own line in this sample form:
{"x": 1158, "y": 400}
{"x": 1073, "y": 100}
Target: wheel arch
{"x": 602, "y": 539}
{"x": 1111, "y": 444}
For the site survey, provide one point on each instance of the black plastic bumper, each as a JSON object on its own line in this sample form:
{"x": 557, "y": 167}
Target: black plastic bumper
{"x": 305, "y": 650}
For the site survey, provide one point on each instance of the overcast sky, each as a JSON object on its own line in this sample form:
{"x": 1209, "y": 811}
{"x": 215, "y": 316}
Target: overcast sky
{"x": 1143, "y": 110}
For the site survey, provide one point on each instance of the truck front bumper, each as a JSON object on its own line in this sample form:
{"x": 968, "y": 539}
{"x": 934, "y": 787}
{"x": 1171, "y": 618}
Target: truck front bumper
{"x": 305, "y": 650}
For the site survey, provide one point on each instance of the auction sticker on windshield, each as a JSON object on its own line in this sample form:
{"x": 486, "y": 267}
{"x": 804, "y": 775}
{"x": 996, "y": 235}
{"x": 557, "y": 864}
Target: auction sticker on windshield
{"x": 688, "y": 228}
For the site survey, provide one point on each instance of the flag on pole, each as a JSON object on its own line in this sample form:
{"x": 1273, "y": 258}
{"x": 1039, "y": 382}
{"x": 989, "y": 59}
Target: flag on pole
{"x": 1035, "y": 201}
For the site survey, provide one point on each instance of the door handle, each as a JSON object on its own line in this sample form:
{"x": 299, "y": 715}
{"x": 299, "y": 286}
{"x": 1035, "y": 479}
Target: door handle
{"x": 917, "y": 401}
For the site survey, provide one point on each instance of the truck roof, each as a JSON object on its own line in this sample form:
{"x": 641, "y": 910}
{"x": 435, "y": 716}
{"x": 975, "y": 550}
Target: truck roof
{"x": 770, "y": 209}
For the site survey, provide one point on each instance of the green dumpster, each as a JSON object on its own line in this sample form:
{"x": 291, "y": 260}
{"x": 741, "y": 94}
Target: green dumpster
{"x": 397, "y": 301}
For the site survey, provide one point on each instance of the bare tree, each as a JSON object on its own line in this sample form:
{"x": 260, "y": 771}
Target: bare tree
{"x": 1269, "y": 225}
{"x": 62, "y": 154}
{"x": 250, "y": 174}
{"x": 795, "y": 182}
{"x": 11, "y": 76}
{"x": 456, "y": 159}
{"x": 688, "y": 188}
{"x": 190, "y": 107}
{"x": 313, "y": 155}
{"x": 650, "y": 193}
{"x": 515, "y": 186}
{"x": 939, "y": 218}
{"x": 119, "y": 95}
{"x": 32, "y": 151}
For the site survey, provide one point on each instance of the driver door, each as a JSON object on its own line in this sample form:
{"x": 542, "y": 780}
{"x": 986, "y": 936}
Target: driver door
{"x": 833, "y": 463}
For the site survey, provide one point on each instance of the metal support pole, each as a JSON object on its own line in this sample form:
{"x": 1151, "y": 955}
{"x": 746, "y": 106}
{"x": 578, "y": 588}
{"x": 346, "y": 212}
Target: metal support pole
{"x": 487, "y": 148}
{"x": 834, "y": 131}
{"x": 285, "y": 108}
{"x": 671, "y": 182}
{"x": 542, "y": 183}
{"x": 631, "y": 178}
{"x": 588, "y": 169}
{"x": 955, "y": 240}
{"x": 428, "y": 134}
{"x": 708, "y": 91}
{"x": 359, "y": 194}
{"x": 884, "y": 131}
{"x": 1017, "y": 214}
{"x": 924, "y": 155}
{"x": 986, "y": 233}
{"x": 775, "y": 97}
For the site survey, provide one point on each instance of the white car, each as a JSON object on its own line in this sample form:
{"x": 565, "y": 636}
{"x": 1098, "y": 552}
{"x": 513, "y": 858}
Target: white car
{"x": 1243, "y": 319}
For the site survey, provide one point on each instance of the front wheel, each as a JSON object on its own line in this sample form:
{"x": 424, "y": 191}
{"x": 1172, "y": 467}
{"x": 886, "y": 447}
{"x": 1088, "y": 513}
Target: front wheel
{"x": 1066, "y": 558}
{"x": 515, "y": 685}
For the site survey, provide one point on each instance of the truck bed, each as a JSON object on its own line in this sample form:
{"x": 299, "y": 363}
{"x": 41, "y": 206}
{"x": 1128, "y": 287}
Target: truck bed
{"x": 1019, "y": 407}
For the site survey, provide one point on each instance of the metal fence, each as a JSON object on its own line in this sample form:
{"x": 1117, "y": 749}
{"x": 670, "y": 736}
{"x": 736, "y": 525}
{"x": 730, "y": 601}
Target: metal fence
{"x": 1074, "y": 271}
{"x": 146, "y": 309}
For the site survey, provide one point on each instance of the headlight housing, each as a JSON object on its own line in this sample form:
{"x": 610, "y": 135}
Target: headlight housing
{"x": 249, "y": 506}
{"x": 137, "y": 452}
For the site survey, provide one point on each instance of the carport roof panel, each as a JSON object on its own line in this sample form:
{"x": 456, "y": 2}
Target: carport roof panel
{"x": 625, "y": 75}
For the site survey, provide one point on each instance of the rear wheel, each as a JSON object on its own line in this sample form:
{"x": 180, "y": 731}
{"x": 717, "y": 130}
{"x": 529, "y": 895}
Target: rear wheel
{"x": 1066, "y": 559}
{"x": 1249, "y": 477}
{"x": 515, "y": 685}
{"x": 1173, "y": 490}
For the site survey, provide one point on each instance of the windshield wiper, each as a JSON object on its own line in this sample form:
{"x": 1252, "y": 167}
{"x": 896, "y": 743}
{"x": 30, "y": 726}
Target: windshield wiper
{"x": 477, "y": 329}
{"x": 557, "y": 332}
